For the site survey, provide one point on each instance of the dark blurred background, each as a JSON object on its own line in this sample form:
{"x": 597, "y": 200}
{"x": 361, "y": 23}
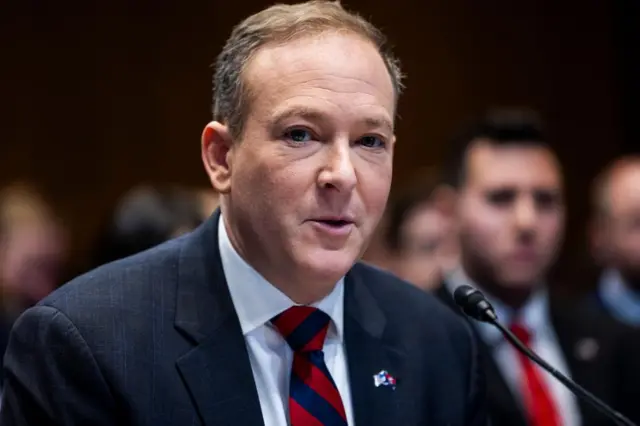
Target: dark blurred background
{"x": 100, "y": 96}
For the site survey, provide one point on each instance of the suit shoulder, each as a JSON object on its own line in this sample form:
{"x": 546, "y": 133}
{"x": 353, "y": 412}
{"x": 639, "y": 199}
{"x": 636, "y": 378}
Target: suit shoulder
{"x": 120, "y": 282}
{"x": 405, "y": 299}
{"x": 584, "y": 313}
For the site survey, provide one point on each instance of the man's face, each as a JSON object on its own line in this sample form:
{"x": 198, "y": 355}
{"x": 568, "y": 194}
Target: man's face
{"x": 426, "y": 247}
{"x": 623, "y": 221}
{"x": 511, "y": 213}
{"x": 310, "y": 178}
{"x": 31, "y": 260}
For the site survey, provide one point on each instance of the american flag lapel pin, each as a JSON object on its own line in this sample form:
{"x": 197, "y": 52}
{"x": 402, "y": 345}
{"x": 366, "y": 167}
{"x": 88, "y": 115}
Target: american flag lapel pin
{"x": 383, "y": 378}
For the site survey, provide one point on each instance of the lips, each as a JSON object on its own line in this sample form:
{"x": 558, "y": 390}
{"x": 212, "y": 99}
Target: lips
{"x": 337, "y": 221}
{"x": 334, "y": 226}
{"x": 334, "y": 222}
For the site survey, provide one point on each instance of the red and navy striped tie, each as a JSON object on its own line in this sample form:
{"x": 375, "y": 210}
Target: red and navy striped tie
{"x": 314, "y": 399}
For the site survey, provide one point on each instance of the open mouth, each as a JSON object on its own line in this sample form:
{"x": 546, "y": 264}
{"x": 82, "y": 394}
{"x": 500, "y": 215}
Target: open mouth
{"x": 334, "y": 223}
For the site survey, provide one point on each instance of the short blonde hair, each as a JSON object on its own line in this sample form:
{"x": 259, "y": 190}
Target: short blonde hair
{"x": 22, "y": 205}
{"x": 280, "y": 24}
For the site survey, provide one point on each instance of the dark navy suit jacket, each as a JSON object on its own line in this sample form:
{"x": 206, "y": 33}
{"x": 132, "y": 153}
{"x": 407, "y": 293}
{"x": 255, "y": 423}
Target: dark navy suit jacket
{"x": 154, "y": 340}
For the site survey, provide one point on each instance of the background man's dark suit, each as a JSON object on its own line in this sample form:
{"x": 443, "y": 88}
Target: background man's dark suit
{"x": 154, "y": 340}
{"x": 599, "y": 355}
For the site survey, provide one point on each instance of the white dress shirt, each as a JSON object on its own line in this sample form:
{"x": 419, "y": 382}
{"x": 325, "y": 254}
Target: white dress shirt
{"x": 535, "y": 317}
{"x": 256, "y": 301}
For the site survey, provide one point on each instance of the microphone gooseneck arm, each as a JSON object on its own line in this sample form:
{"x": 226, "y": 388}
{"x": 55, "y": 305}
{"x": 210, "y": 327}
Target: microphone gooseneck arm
{"x": 475, "y": 305}
{"x": 570, "y": 384}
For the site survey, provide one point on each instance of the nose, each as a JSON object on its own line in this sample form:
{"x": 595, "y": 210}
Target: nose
{"x": 525, "y": 214}
{"x": 339, "y": 172}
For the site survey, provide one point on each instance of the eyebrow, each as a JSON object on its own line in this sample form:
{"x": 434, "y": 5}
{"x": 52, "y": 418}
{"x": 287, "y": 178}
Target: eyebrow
{"x": 555, "y": 192}
{"x": 312, "y": 114}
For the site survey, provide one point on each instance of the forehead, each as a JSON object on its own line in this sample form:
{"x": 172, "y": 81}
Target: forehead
{"x": 512, "y": 165}
{"x": 339, "y": 71}
{"x": 625, "y": 188}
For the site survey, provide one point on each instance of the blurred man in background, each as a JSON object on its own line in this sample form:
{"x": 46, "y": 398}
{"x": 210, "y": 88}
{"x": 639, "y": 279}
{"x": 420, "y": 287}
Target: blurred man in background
{"x": 615, "y": 238}
{"x": 33, "y": 250}
{"x": 419, "y": 237}
{"x": 145, "y": 217}
{"x": 208, "y": 201}
{"x": 511, "y": 212}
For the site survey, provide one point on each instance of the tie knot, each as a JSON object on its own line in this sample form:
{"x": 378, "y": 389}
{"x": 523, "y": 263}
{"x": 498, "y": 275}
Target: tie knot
{"x": 521, "y": 332}
{"x": 303, "y": 327}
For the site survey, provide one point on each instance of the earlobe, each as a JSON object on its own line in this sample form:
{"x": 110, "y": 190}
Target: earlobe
{"x": 216, "y": 149}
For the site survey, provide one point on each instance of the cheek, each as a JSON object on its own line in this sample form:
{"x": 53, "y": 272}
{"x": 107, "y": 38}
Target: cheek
{"x": 634, "y": 243}
{"x": 484, "y": 229}
{"x": 629, "y": 246}
{"x": 13, "y": 273}
{"x": 262, "y": 179}
{"x": 374, "y": 185}
{"x": 376, "y": 202}
{"x": 552, "y": 228}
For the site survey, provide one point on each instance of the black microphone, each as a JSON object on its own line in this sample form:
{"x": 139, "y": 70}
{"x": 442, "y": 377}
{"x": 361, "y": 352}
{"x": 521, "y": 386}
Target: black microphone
{"x": 474, "y": 304}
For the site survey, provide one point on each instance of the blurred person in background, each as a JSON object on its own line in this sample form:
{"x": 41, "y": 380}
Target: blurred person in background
{"x": 33, "y": 251}
{"x": 419, "y": 237}
{"x": 208, "y": 201}
{"x": 615, "y": 239}
{"x": 510, "y": 211}
{"x": 145, "y": 217}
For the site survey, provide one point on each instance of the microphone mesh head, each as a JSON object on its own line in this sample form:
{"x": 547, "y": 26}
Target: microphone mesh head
{"x": 462, "y": 294}
{"x": 472, "y": 302}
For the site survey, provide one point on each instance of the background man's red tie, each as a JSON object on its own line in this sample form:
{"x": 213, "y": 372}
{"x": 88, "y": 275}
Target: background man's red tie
{"x": 540, "y": 406}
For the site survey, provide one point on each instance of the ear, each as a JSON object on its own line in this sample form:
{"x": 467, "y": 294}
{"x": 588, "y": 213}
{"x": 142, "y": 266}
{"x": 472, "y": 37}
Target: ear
{"x": 217, "y": 145}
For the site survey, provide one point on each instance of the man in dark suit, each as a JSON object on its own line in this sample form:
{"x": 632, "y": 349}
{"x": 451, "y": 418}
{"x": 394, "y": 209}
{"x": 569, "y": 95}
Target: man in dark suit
{"x": 262, "y": 315}
{"x": 615, "y": 239}
{"x": 510, "y": 213}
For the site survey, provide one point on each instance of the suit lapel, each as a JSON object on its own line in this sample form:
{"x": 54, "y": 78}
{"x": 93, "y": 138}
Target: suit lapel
{"x": 582, "y": 352}
{"x": 368, "y": 353}
{"x": 504, "y": 407}
{"x": 502, "y": 402}
{"x": 217, "y": 371}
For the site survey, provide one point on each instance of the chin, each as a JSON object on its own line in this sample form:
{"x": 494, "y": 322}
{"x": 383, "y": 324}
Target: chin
{"x": 520, "y": 281}
{"x": 329, "y": 264}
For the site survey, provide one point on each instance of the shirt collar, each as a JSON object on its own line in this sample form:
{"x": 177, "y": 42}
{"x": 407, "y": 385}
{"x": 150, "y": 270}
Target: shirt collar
{"x": 534, "y": 315}
{"x": 256, "y": 300}
{"x": 620, "y": 300}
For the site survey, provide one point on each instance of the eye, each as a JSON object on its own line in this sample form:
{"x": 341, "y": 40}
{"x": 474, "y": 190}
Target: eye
{"x": 546, "y": 200}
{"x": 501, "y": 198}
{"x": 428, "y": 246}
{"x": 372, "y": 141}
{"x": 298, "y": 135}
